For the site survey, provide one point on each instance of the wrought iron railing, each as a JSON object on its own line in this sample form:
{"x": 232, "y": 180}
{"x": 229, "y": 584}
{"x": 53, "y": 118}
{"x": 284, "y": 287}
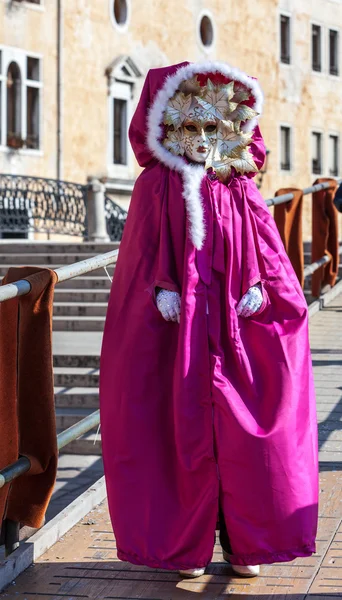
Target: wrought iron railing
{"x": 115, "y": 219}
{"x": 42, "y": 205}
{"x": 36, "y": 204}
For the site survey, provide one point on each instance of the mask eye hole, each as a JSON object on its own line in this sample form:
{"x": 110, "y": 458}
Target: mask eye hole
{"x": 191, "y": 128}
{"x": 210, "y": 128}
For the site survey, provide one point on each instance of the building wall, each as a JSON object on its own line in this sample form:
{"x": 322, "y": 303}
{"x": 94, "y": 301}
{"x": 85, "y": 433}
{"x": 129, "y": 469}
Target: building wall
{"x": 33, "y": 29}
{"x": 160, "y": 33}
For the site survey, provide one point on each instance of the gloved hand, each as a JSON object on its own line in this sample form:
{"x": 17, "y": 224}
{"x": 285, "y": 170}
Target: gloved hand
{"x": 250, "y": 302}
{"x": 169, "y": 305}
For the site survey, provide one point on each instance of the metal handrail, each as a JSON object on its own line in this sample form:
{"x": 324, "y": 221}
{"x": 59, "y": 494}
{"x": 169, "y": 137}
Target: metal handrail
{"x": 22, "y": 465}
{"x": 22, "y": 287}
{"x": 310, "y": 269}
{"x": 309, "y": 190}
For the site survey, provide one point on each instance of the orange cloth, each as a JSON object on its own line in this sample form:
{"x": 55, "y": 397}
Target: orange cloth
{"x": 27, "y": 415}
{"x": 324, "y": 236}
{"x": 288, "y": 218}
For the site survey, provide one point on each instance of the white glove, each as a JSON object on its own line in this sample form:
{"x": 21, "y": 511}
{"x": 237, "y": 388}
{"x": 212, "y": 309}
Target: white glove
{"x": 250, "y": 302}
{"x": 169, "y": 304}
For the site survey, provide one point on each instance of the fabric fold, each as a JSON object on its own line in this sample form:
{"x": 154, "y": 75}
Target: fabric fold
{"x": 27, "y": 426}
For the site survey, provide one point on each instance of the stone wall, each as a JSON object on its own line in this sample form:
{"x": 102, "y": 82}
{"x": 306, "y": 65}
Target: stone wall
{"x": 160, "y": 33}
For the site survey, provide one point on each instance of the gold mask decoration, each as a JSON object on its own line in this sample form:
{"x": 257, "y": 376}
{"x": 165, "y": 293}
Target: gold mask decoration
{"x": 204, "y": 124}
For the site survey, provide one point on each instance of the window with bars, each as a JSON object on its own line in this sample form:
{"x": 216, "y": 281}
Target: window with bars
{"x": 285, "y": 39}
{"x": 316, "y": 152}
{"x": 119, "y": 131}
{"x": 316, "y": 36}
{"x": 13, "y": 101}
{"x": 333, "y": 52}
{"x": 122, "y": 78}
{"x": 333, "y": 155}
{"x": 120, "y": 157}
{"x": 32, "y": 103}
{"x": 20, "y": 99}
{"x": 285, "y": 148}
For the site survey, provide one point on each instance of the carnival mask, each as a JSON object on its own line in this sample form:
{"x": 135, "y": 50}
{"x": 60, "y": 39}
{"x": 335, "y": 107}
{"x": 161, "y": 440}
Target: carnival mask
{"x": 199, "y": 137}
{"x": 204, "y": 124}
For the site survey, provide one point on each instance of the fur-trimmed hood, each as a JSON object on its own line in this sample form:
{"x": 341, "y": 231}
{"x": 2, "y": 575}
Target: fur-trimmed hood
{"x": 147, "y": 129}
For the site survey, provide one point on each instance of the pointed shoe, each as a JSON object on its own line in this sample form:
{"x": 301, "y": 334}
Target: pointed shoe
{"x": 242, "y": 570}
{"x": 246, "y": 571}
{"x": 191, "y": 573}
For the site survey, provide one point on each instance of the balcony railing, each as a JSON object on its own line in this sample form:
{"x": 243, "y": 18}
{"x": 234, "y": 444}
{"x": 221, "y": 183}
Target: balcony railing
{"x": 36, "y": 204}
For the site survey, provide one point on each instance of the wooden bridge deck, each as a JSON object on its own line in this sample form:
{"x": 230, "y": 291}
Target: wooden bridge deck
{"x": 83, "y": 564}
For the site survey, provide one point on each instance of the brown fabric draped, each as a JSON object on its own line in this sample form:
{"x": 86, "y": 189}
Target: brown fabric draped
{"x": 27, "y": 425}
{"x": 324, "y": 236}
{"x": 288, "y": 218}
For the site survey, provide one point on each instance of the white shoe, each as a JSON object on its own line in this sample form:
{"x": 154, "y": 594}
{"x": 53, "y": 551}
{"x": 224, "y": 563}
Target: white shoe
{"x": 192, "y": 573}
{"x": 246, "y": 571}
{"x": 243, "y": 570}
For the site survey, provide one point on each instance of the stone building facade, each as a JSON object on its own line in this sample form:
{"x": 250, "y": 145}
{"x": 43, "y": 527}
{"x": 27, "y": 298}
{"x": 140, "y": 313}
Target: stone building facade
{"x": 71, "y": 74}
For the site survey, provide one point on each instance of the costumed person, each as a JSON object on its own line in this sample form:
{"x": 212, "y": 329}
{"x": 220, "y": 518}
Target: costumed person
{"x": 206, "y": 390}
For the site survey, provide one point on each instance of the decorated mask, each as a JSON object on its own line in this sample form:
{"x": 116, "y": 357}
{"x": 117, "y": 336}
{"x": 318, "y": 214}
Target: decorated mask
{"x": 204, "y": 124}
{"x": 199, "y": 131}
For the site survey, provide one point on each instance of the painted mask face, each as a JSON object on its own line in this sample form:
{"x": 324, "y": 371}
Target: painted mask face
{"x": 199, "y": 136}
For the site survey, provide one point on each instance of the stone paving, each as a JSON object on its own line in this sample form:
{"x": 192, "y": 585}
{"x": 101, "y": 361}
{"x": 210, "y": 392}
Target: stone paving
{"x": 84, "y": 565}
{"x": 75, "y": 475}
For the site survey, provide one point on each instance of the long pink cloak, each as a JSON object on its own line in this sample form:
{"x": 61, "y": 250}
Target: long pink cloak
{"x": 216, "y": 410}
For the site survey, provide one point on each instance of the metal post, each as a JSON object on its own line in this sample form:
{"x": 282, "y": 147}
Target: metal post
{"x": 11, "y": 536}
{"x": 97, "y": 228}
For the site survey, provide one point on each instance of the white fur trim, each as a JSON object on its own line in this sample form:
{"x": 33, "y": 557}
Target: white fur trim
{"x": 192, "y": 180}
{"x": 192, "y": 174}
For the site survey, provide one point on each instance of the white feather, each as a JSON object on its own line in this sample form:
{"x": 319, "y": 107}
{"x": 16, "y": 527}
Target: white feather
{"x": 192, "y": 174}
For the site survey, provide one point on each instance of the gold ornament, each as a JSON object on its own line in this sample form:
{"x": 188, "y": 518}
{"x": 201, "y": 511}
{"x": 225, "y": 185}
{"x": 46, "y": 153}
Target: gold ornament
{"x": 229, "y": 139}
{"x": 174, "y": 142}
{"x": 177, "y": 109}
{"x": 243, "y": 162}
{"x": 240, "y": 93}
{"x": 216, "y": 99}
{"x": 191, "y": 86}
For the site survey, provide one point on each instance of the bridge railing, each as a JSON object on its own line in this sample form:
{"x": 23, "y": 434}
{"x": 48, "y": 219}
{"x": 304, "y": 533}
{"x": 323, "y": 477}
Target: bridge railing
{"x": 284, "y": 198}
{"x": 22, "y": 465}
{"x": 51, "y": 206}
{"x": 22, "y": 287}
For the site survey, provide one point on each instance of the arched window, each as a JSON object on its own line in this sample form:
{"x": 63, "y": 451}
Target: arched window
{"x": 14, "y": 100}
{"x": 122, "y": 75}
{"x": 21, "y": 96}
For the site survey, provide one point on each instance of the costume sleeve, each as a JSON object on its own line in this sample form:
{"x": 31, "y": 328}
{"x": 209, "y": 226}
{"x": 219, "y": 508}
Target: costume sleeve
{"x": 172, "y": 235}
{"x": 251, "y": 261}
{"x": 258, "y": 150}
{"x": 166, "y": 276}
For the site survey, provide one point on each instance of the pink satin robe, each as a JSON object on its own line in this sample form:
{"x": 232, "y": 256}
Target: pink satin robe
{"x": 216, "y": 410}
